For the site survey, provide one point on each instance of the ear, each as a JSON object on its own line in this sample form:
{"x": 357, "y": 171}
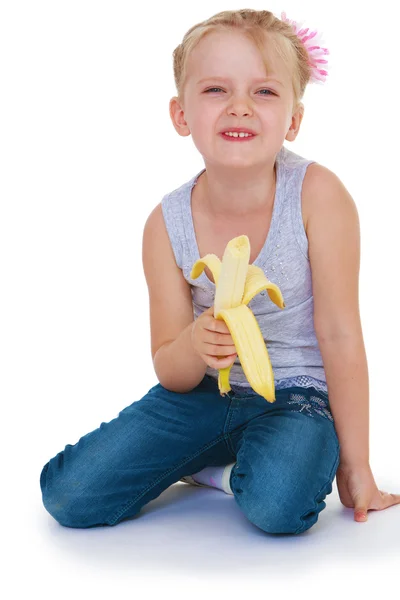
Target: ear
{"x": 178, "y": 117}
{"x": 297, "y": 118}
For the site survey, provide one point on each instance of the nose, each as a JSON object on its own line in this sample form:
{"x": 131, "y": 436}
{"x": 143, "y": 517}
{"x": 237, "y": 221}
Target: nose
{"x": 239, "y": 107}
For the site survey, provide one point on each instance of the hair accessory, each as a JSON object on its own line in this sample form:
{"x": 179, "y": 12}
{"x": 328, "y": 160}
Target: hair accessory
{"x": 315, "y": 52}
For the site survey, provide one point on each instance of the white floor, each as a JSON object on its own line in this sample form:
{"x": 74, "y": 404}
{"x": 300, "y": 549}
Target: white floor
{"x": 195, "y": 542}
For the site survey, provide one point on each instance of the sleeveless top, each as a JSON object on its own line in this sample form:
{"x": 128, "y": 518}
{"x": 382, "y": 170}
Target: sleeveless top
{"x": 289, "y": 333}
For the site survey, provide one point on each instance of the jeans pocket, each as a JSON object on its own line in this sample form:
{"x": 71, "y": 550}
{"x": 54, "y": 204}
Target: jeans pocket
{"x": 310, "y": 402}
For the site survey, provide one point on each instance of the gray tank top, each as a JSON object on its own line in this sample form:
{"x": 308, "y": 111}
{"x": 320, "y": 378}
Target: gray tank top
{"x": 289, "y": 333}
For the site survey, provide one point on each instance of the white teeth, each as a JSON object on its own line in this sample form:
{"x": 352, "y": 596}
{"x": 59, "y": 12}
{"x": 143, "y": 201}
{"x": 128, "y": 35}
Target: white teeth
{"x": 236, "y": 134}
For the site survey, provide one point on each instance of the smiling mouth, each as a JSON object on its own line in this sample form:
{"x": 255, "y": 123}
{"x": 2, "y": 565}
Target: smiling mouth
{"x": 238, "y": 137}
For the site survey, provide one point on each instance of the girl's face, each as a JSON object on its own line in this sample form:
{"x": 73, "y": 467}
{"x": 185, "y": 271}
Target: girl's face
{"x": 227, "y": 86}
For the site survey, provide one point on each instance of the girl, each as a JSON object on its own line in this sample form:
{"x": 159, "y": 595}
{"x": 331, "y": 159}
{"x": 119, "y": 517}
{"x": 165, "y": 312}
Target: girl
{"x": 240, "y": 78}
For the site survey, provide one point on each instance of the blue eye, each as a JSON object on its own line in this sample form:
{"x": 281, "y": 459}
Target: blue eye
{"x": 263, "y": 90}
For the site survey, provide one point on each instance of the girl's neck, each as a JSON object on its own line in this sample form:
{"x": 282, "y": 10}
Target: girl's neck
{"x": 236, "y": 193}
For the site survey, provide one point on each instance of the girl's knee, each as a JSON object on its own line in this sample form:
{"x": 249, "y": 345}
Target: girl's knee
{"x": 275, "y": 511}
{"x": 65, "y": 501}
{"x": 56, "y": 500}
{"x": 279, "y": 519}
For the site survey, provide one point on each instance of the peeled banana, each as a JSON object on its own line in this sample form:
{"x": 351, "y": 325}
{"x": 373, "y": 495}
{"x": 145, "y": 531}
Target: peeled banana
{"x": 237, "y": 283}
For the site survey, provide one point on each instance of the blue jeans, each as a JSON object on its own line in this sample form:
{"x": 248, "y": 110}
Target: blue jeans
{"x": 286, "y": 454}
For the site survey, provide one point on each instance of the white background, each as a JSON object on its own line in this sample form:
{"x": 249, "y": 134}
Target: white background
{"x": 87, "y": 151}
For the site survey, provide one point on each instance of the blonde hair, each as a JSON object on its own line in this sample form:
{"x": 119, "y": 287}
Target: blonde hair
{"x": 254, "y": 24}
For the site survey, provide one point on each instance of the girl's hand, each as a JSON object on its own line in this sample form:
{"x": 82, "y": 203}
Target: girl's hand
{"x": 357, "y": 489}
{"x": 212, "y": 340}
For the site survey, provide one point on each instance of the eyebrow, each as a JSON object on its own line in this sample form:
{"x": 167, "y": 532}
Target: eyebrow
{"x": 260, "y": 80}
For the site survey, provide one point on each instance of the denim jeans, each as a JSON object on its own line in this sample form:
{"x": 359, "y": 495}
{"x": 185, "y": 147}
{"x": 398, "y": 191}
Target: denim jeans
{"x": 286, "y": 455}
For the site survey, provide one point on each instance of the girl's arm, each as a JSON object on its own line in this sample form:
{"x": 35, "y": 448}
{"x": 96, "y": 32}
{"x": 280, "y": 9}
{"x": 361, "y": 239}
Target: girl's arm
{"x": 346, "y": 370}
{"x": 333, "y": 232}
{"x": 177, "y": 365}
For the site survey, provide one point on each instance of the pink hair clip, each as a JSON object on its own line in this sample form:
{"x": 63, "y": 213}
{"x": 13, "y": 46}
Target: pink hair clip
{"x": 314, "y": 51}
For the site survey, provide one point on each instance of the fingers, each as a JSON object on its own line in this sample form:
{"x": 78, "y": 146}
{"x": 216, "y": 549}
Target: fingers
{"x": 218, "y": 333}
{"x": 216, "y": 325}
{"x": 213, "y": 324}
{"x": 389, "y": 499}
{"x": 219, "y": 351}
{"x": 385, "y": 501}
{"x": 220, "y": 363}
{"x": 361, "y": 514}
{"x": 219, "y": 356}
{"x": 219, "y": 339}
{"x": 360, "y": 517}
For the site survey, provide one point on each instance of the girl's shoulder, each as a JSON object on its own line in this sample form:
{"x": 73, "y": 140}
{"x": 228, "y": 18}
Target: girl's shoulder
{"x": 318, "y": 183}
{"x": 313, "y": 180}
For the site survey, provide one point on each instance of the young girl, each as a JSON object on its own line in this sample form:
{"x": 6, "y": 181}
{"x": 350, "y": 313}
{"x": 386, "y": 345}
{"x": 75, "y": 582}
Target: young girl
{"x": 240, "y": 78}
